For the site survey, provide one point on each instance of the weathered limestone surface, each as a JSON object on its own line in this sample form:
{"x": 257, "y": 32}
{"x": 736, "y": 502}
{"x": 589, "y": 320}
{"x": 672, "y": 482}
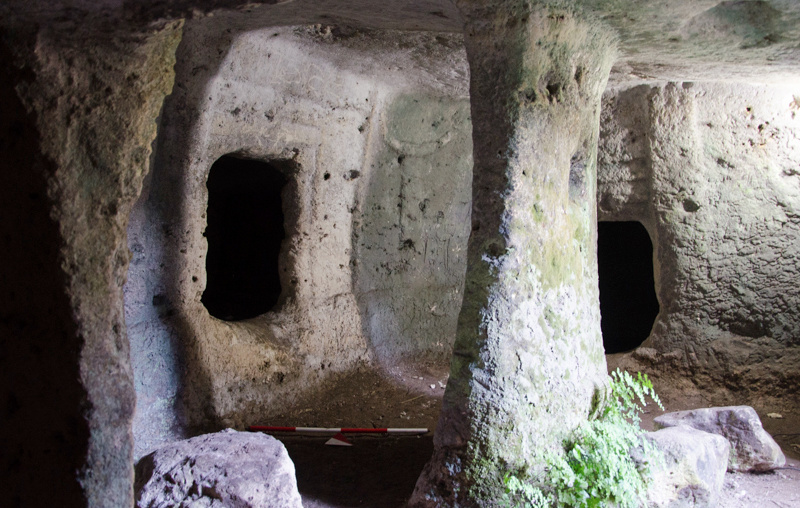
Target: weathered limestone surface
{"x": 222, "y": 470}
{"x": 411, "y": 235}
{"x": 692, "y": 471}
{"x": 752, "y": 448}
{"x": 711, "y": 171}
{"x": 377, "y": 216}
{"x": 528, "y": 357}
{"x": 703, "y": 40}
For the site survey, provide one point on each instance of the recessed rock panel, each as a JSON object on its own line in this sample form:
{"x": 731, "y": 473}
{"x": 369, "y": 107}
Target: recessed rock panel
{"x": 412, "y": 234}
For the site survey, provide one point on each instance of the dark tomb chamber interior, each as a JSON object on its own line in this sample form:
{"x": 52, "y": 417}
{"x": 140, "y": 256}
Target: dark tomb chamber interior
{"x": 245, "y": 230}
{"x": 628, "y": 303}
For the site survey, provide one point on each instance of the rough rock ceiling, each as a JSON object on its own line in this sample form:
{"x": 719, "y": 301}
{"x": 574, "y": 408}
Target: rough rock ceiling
{"x": 742, "y": 40}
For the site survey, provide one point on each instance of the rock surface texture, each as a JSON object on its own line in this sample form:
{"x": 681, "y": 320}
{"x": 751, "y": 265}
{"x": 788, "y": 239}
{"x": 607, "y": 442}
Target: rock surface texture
{"x": 692, "y": 471}
{"x": 228, "y": 469}
{"x": 377, "y": 206}
{"x": 752, "y": 448}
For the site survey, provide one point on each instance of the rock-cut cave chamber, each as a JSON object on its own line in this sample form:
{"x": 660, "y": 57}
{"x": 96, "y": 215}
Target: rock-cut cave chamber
{"x": 252, "y": 204}
{"x": 373, "y": 259}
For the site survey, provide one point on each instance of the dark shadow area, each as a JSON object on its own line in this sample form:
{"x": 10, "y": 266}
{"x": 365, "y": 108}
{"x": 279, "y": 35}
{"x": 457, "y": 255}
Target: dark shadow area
{"x": 375, "y": 471}
{"x": 245, "y": 231}
{"x": 43, "y": 432}
{"x": 628, "y": 303}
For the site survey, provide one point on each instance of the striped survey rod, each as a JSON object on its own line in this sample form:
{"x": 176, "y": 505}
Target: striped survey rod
{"x": 324, "y": 431}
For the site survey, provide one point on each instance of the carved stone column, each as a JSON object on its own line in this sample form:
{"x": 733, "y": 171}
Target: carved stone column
{"x": 87, "y": 105}
{"x": 528, "y": 363}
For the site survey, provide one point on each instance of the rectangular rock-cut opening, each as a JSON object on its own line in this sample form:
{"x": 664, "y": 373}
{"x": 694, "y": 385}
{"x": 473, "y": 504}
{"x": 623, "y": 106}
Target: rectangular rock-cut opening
{"x": 244, "y": 233}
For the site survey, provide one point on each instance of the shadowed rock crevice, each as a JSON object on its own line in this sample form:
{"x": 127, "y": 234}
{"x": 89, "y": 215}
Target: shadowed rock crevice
{"x": 43, "y": 421}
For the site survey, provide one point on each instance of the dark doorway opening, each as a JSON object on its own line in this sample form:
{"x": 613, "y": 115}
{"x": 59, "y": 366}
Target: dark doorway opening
{"x": 245, "y": 230}
{"x": 628, "y": 303}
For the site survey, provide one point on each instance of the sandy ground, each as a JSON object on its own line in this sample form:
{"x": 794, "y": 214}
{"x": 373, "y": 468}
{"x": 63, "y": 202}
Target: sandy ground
{"x": 381, "y": 472}
{"x": 780, "y": 488}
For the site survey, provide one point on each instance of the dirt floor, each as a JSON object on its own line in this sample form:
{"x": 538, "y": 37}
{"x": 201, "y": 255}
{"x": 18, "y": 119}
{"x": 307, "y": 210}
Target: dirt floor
{"x": 381, "y": 472}
{"x": 377, "y": 471}
{"x": 405, "y": 397}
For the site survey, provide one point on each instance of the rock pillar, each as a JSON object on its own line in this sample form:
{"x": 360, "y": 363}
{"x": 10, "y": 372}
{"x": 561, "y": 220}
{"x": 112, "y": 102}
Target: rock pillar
{"x": 85, "y": 105}
{"x": 528, "y": 363}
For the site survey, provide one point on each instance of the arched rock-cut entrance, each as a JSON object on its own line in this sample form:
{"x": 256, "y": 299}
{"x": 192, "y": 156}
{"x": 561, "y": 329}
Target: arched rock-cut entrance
{"x": 628, "y": 303}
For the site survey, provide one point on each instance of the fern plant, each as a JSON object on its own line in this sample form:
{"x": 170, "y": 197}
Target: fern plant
{"x": 596, "y": 469}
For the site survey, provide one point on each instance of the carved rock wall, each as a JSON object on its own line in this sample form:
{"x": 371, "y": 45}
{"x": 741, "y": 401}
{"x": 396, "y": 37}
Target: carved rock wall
{"x": 373, "y": 132}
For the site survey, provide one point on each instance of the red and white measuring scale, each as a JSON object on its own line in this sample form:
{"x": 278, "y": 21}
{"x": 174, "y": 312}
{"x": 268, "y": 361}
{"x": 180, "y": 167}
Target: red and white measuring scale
{"x": 338, "y": 433}
{"x": 325, "y": 430}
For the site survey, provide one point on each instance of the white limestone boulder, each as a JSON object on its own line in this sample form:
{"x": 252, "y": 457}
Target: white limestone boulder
{"x": 692, "y": 470}
{"x": 228, "y": 469}
{"x": 752, "y": 448}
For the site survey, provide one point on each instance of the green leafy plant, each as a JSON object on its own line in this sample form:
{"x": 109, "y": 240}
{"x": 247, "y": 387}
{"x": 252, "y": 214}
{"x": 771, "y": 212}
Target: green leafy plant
{"x": 596, "y": 469}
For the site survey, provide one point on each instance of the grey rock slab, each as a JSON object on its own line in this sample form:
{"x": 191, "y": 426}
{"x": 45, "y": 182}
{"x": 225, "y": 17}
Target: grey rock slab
{"x": 752, "y": 448}
{"x": 692, "y": 470}
{"x": 228, "y": 469}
